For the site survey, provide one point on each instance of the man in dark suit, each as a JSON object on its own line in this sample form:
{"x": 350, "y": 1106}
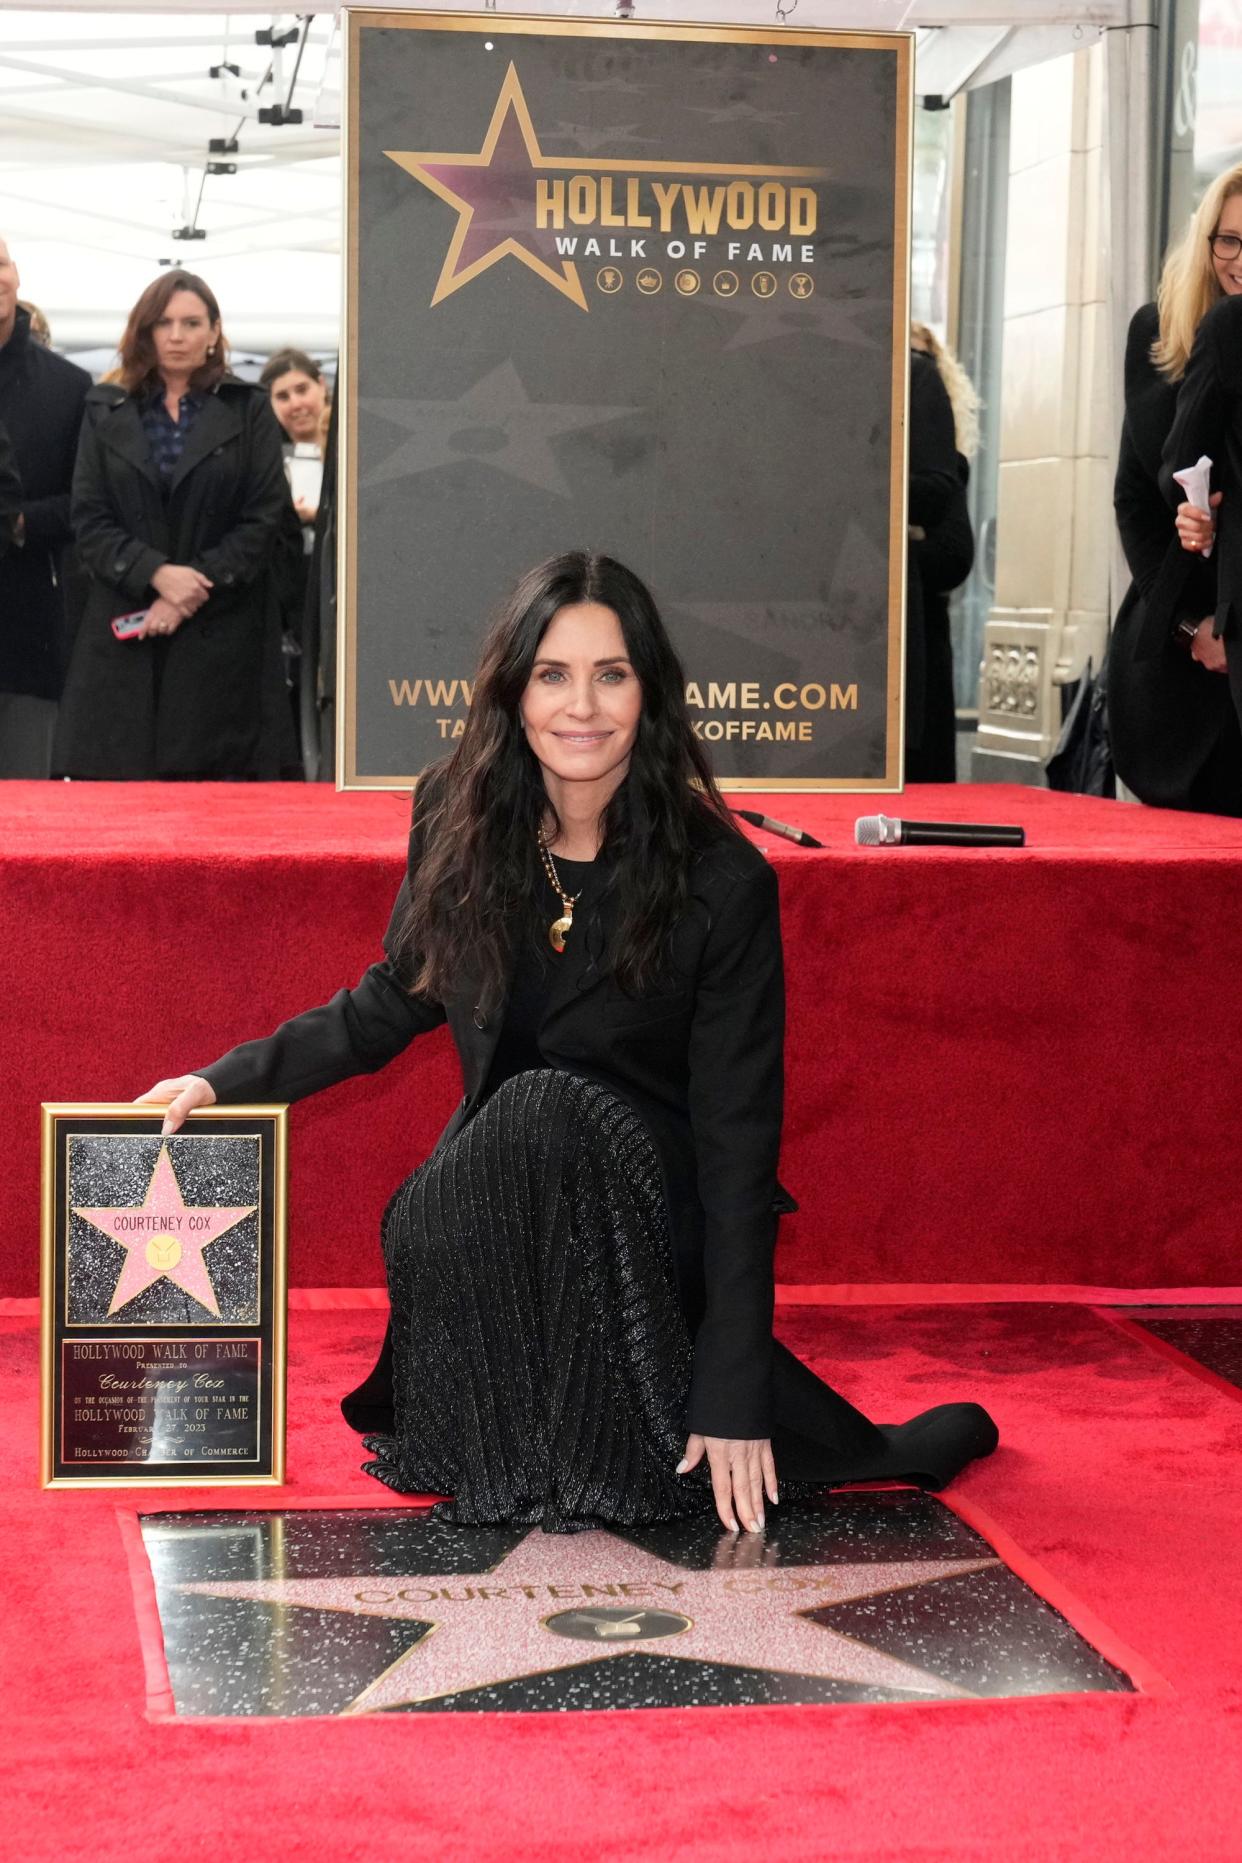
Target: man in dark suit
{"x": 41, "y": 397}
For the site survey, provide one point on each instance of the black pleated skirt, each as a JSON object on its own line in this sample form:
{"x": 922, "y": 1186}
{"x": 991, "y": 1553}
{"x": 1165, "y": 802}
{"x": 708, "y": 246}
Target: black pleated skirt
{"x": 540, "y": 1358}
{"x": 541, "y": 1362}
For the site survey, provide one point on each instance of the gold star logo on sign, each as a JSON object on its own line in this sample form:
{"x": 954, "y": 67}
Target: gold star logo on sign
{"x": 508, "y": 208}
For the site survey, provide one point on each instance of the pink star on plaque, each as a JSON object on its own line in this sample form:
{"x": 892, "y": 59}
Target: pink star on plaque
{"x": 557, "y": 1602}
{"x": 164, "y": 1236}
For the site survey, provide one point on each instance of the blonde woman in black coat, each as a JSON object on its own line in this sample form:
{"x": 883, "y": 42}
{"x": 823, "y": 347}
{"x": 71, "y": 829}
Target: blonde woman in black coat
{"x": 1173, "y": 725}
{"x": 179, "y": 502}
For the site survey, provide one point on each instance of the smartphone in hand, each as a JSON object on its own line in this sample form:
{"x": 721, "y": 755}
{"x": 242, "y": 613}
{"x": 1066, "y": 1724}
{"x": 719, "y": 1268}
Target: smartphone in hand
{"x": 126, "y": 627}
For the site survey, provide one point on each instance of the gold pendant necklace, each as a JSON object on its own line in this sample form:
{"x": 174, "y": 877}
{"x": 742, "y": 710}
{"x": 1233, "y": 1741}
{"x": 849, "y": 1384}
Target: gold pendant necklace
{"x": 560, "y": 928}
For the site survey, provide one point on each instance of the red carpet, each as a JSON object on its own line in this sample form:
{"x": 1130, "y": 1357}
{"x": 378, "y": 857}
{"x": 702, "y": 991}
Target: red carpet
{"x": 1003, "y": 1066}
{"x": 1118, "y": 1475}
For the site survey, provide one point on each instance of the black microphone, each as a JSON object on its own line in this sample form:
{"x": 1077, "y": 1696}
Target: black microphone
{"x": 885, "y": 831}
{"x": 798, "y": 835}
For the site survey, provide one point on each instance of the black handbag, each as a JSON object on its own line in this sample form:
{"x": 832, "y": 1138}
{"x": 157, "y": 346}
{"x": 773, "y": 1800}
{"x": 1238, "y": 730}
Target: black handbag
{"x": 1082, "y": 763}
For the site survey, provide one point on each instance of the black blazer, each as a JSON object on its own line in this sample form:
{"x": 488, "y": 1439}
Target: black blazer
{"x": 700, "y": 1060}
{"x": 1165, "y": 712}
{"x": 223, "y": 511}
{"x": 1209, "y": 420}
{"x": 41, "y": 397}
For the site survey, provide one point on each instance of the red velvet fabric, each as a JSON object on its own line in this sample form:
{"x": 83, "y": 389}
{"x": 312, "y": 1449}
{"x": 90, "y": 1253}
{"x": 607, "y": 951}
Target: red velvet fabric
{"x": 1117, "y": 1474}
{"x": 1003, "y": 1066}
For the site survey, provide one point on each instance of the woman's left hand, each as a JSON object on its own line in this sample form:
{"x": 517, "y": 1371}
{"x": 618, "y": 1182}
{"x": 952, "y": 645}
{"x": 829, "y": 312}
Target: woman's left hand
{"x": 742, "y": 1472}
{"x": 1195, "y": 527}
{"x": 162, "y": 618}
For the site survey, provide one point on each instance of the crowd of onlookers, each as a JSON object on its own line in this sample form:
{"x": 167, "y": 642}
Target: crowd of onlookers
{"x": 167, "y": 551}
{"x": 167, "y": 597}
{"x": 168, "y": 546}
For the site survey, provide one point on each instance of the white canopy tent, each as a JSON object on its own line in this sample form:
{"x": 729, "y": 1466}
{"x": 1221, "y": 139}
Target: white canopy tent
{"x": 107, "y": 117}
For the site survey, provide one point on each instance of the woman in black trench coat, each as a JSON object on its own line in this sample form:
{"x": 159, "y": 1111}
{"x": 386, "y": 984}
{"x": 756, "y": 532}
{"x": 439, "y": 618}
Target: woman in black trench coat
{"x": 179, "y": 504}
{"x": 1173, "y": 725}
{"x": 581, "y": 1274}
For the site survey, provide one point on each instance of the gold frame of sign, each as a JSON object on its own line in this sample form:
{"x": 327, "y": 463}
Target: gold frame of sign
{"x": 626, "y": 34}
{"x": 163, "y": 1297}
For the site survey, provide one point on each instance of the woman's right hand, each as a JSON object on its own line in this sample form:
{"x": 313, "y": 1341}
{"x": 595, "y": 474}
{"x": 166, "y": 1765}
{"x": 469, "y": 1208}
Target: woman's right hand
{"x": 186, "y": 588}
{"x": 1196, "y": 527}
{"x": 162, "y": 618}
{"x": 182, "y": 1096}
{"x": 1207, "y": 650}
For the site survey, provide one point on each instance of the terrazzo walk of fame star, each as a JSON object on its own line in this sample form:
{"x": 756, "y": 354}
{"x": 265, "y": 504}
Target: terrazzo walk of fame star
{"x": 881, "y": 1597}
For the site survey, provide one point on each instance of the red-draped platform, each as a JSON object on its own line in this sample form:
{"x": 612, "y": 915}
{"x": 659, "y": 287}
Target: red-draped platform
{"x": 1004, "y": 1067}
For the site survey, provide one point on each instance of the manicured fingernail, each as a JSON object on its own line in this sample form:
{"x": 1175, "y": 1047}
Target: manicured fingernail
{"x": 756, "y": 1526}
{"x": 776, "y": 1499}
{"x": 682, "y": 1466}
{"x": 733, "y": 1527}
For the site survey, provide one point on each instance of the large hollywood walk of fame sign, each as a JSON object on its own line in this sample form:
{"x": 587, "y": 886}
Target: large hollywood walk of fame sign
{"x": 642, "y": 289}
{"x": 859, "y": 1597}
{"x": 163, "y": 1297}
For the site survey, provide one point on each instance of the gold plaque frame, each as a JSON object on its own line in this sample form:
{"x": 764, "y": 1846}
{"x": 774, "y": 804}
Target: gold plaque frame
{"x": 361, "y": 19}
{"x": 265, "y": 1334}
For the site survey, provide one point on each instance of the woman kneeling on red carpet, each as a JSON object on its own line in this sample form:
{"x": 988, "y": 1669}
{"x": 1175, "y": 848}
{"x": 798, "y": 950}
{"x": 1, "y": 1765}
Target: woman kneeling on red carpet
{"x": 580, "y": 1275}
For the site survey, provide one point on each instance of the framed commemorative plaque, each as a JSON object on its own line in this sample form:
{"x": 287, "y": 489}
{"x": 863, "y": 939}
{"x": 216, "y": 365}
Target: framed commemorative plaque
{"x": 163, "y": 1297}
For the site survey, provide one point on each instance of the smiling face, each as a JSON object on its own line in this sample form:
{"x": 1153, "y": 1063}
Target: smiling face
{"x": 1229, "y": 270}
{"x": 583, "y": 700}
{"x": 183, "y": 335}
{"x": 297, "y": 403}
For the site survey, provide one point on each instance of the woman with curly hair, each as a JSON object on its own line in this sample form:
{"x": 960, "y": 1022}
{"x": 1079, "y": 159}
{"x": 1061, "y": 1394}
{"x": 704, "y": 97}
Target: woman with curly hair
{"x": 581, "y": 1273}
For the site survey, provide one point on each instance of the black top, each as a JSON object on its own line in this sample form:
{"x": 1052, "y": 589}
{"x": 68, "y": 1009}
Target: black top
{"x": 698, "y": 1058}
{"x": 1209, "y": 420}
{"x": 1181, "y": 585}
{"x": 534, "y": 974}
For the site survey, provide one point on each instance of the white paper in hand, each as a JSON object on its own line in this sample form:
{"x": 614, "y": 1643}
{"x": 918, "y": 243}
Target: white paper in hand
{"x": 1196, "y": 482}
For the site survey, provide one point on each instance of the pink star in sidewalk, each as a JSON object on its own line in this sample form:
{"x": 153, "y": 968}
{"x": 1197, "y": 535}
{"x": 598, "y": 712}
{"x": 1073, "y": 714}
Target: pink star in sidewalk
{"x": 164, "y": 1237}
{"x": 558, "y": 1602}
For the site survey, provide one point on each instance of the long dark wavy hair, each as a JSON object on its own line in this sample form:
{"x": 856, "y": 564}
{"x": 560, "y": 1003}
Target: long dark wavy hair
{"x": 479, "y": 881}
